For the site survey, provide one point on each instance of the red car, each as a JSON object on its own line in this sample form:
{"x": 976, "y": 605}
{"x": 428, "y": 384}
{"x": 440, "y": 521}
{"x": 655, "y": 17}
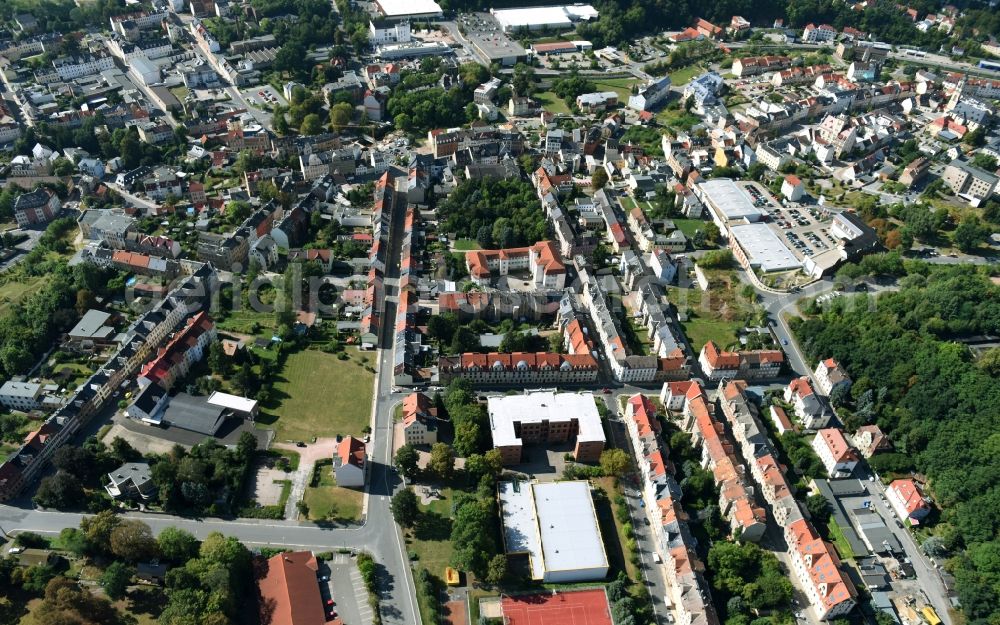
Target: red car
{"x": 606, "y": 391}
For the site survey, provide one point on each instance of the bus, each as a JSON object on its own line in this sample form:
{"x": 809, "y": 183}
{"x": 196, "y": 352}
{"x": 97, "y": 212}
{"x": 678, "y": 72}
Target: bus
{"x": 991, "y": 65}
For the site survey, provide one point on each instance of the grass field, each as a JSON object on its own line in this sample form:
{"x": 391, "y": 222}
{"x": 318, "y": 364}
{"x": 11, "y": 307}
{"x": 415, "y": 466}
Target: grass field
{"x": 677, "y": 119}
{"x": 689, "y": 226}
{"x": 430, "y": 544}
{"x": 684, "y": 75}
{"x": 462, "y": 245}
{"x": 13, "y": 291}
{"x": 319, "y": 395}
{"x": 552, "y": 103}
{"x": 700, "y": 330}
{"x": 623, "y": 86}
{"x": 247, "y": 322}
{"x": 329, "y": 502}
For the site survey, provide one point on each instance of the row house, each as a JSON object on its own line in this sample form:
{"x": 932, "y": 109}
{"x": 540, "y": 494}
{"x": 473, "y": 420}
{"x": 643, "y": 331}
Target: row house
{"x": 754, "y": 65}
{"x": 444, "y": 143}
{"x": 163, "y": 247}
{"x": 749, "y": 365}
{"x": 144, "y": 265}
{"x": 718, "y": 454}
{"x": 381, "y": 217}
{"x": 174, "y": 360}
{"x": 227, "y": 252}
{"x": 814, "y": 561}
{"x": 495, "y": 305}
{"x": 143, "y": 335}
{"x": 544, "y": 368}
{"x": 688, "y": 589}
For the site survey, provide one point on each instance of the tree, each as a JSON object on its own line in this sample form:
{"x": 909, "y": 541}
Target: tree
{"x": 133, "y": 541}
{"x": 464, "y": 340}
{"x": 969, "y": 234}
{"x": 614, "y": 462}
{"x": 442, "y": 327}
{"x": 442, "y": 462}
{"x": 65, "y": 603}
{"x": 340, "y": 115}
{"x": 98, "y": 529}
{"x": 407, "y": 461}
{"x": 404, "y": 507}
{"x": 599, "y": 179}
{"x": 497, "y": 569}
{"x": 712, "y": 232}
{"x": 177, "y": 545}
{"x": 115, "y": 579}
{"x": 817, "y": 506}
{"x": 60, "y": 491}
{"x": 311, "y": 125}
{"x": 73, "y": 540}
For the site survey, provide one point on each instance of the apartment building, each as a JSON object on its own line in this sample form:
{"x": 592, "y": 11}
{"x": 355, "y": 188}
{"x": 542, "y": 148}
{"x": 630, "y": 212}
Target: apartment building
{"x": 810, "y": 409}
{"x": 907, "y": 500}
{"x": 541, "y": 368}
{"x": 36, "y": 207}
{"x": 835, "y": 452}
{"x": 184, "y": 349}
{"x": 23, "y": 396}
{"x": 419, "y": 418}
{"x": 754, "y": 65}
{"x": 817, "y": 34}
{"x": 541, "y": 261}
{"x": 816, "y": 564}
{"x": 973, "y": 183}
{"x": 748, "y": 365}
{"x": 830, "y": 376}
{"x": 546, "y": 417}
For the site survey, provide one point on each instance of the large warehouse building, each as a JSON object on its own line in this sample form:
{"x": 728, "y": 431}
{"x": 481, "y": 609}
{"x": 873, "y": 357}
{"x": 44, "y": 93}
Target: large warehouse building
{"x": 726, "y": 202}
{"x": 555, "y": 525}
{"x": 546, "y": 417}
{"x": 539, "y": 18}
{"x": 408, "y": 9}
{"x": 758, "y": 246}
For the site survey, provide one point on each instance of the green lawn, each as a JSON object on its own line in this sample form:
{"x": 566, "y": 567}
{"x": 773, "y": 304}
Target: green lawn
{"x": 627, "y": 202}
{"x": 462, "y": 245}
{"x": 319, "y": 395}
{"x": 677, "y": 119}
{"x": 180, "y": 93}
{"x": 689, "y": 226}
{"x": 247, "y": 322}
{"x": 552, "y": 103}
{"x": 429, "y": 543}
{"x": 700, "y": 330}
{"x": 14, "y": 290}
{"x": 623, "y": 86}
{"x": 684, "y": 75}
{"x": 329, "y": 502}
{"x": 840, "y": 541}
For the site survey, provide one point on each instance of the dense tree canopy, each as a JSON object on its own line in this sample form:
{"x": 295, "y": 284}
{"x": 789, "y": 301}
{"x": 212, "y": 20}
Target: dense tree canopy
{"x": 507, "y": 211}
{"x": 940, "y": 409}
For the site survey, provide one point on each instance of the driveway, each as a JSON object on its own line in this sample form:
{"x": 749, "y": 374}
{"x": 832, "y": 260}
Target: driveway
{"x": 308, "y": 456}
{"x": 347, "y": 590}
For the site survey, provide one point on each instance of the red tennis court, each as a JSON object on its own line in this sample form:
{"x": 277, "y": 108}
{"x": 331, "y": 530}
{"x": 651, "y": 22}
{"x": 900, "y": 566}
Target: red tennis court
{"x": 579, "y": 607}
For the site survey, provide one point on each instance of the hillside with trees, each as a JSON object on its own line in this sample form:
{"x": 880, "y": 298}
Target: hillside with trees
{"x": 938, "y": 403}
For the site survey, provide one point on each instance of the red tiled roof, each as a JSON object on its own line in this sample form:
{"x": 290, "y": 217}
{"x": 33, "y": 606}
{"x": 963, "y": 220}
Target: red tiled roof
{"x": 290, "y": 591}
{"x": 352, "y": 451}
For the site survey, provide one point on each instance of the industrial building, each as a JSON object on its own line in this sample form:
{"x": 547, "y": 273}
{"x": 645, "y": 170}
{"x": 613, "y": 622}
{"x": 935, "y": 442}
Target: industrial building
{"x": 546, "y": 417}
{"x": 540, "y": 18}
{"x": 408, "y": 9}
{"x": 555, "y": 525}
{"x": 761, "y": 248}
{"x": 726, "y": 202}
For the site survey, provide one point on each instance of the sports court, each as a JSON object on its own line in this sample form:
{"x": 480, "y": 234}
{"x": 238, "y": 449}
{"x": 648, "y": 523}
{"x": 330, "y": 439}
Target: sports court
{"x": 579, "y": 607}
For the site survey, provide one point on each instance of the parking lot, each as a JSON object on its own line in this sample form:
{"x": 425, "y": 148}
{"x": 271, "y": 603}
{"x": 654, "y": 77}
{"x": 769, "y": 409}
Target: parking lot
{"x": 802, "y": 230}
{"x": 343, "y": 591}
{"x": 264, "y": 96}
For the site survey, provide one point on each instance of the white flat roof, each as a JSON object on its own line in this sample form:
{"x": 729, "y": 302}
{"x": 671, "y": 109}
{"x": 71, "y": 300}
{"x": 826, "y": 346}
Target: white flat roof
{"x": 232, "y": 402}
{"x": 764, "y": 248}
{"x": 555, "y": 524}
{"x": 402, "y": 8}
{"x": 730, "y": 200}
{"x": 544, "y": 406}
{"x": 511, "y": 19}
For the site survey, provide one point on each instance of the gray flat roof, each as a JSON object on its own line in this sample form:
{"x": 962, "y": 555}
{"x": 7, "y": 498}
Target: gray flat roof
{"x": 571, "y": 537}
{"x": 92, "y": 323}
{"x": 764, "y": 248}
{"x": 730, "y": 200}
{"x": 555, "y": 523}
{"x": 195, "y": 414}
